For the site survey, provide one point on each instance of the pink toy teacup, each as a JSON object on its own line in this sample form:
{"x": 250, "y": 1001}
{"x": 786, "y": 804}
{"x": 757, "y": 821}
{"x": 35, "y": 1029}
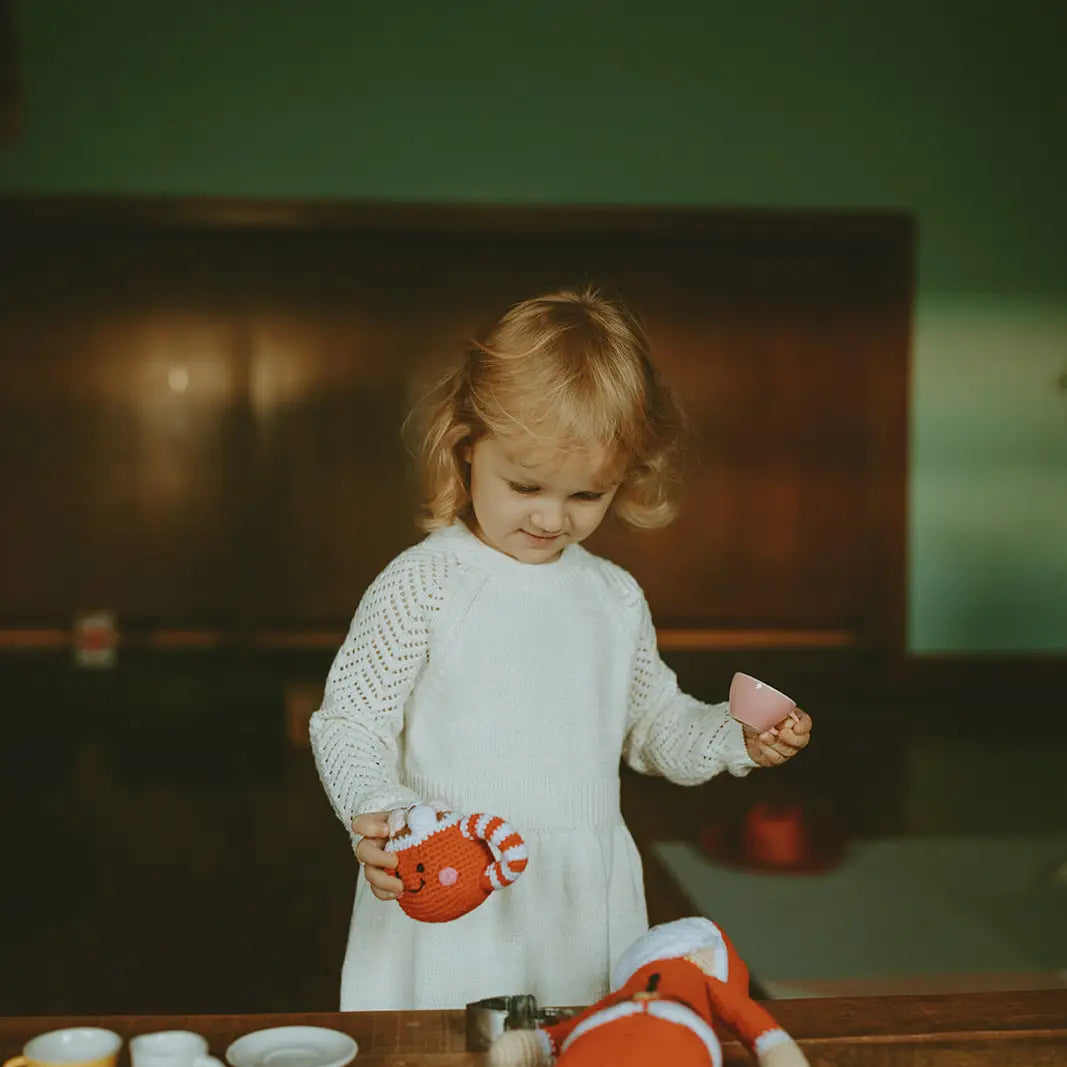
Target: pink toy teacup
{"x": 757, "y": 704}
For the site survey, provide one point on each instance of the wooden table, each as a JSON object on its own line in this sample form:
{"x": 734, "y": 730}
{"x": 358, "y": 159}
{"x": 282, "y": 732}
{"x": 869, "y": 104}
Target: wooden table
{"x": 1015, "y": 1029}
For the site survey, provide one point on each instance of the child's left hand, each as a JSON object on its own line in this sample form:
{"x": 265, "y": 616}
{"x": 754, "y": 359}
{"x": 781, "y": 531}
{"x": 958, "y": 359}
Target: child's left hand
{"x": 782, "y": 742}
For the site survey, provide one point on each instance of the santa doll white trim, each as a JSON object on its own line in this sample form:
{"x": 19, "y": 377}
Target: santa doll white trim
{"x": 667, "y": 1010}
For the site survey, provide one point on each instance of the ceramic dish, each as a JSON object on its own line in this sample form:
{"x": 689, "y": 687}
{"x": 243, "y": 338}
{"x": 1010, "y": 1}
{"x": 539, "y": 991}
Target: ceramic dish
{"x": 292, "y": 1046}
{"x": 758, "y": 704}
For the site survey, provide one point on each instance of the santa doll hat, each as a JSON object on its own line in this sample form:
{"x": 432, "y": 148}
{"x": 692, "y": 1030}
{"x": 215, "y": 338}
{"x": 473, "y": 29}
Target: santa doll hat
{"x": 670, "y": 941}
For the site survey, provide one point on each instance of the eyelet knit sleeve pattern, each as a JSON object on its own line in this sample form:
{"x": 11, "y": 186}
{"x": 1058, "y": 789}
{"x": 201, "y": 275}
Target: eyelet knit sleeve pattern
{"x": 670, "y": 733}
{"x": 354, "y": 733}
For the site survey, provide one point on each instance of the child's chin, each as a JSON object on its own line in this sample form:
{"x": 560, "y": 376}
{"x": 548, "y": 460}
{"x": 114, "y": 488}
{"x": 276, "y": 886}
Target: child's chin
{"x": 540, "y": 555}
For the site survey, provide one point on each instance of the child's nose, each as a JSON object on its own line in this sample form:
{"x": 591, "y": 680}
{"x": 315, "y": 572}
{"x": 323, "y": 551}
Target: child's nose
{"x": 549, "y": 516}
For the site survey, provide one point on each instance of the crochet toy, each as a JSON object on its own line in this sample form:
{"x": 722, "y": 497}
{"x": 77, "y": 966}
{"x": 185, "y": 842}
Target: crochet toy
{"x": 445, "y": 860}
{"x": 671, "y": 990}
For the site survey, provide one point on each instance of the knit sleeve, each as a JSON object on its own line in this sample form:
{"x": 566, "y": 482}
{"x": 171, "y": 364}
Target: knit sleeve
{"x": 670, "y": 733}
{"x": 354, "y": 734}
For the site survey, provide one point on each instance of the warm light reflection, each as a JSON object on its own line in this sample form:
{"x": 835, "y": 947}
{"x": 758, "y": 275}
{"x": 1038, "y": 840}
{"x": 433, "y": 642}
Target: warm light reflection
{"x": 295, "y": 357}
{"x": 178, "y": 379}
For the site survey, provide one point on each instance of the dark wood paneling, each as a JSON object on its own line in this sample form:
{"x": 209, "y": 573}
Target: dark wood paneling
{"x": 200, "y": 406}
{"x": 10, "y": 75}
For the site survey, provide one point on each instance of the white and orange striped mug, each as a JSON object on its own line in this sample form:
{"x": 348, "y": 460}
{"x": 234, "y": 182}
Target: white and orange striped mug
{"x": 447, "y": 862}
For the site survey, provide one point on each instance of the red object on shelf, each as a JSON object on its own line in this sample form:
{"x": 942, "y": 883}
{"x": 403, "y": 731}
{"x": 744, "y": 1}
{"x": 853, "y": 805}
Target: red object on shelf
{"x": 776, "y": 835}
{"x": 96, "y": 638}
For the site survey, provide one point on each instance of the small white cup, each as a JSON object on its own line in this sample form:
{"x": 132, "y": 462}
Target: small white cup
{"x": 171, "y": 1048}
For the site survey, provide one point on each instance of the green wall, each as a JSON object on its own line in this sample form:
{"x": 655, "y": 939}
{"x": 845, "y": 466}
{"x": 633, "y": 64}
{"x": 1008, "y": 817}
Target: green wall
{"x": 955, "y": 112}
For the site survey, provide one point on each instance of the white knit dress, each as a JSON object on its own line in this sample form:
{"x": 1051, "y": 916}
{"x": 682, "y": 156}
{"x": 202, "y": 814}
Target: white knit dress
{"x": 513, "y": 689}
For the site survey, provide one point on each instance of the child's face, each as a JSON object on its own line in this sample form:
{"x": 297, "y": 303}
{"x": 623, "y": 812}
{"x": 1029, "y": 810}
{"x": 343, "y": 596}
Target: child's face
{"x": 530, "y": 501}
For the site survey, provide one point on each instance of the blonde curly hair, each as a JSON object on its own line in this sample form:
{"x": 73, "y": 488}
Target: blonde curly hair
{"x": 570, "y": 369}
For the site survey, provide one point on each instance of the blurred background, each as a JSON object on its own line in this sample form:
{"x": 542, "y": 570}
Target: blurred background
{"x": 236, "y": 242}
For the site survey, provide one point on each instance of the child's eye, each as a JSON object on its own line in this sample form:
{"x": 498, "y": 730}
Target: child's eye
{"x": 526, "y": 490}
{"x": 588, "y": 496}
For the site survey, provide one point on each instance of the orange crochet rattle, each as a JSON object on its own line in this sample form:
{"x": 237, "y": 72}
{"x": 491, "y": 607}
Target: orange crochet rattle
{"x": 445, "y": 860}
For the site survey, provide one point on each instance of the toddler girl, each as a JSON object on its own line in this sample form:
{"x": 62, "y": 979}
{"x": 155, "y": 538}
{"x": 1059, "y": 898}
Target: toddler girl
{"x": 501, "y": 667}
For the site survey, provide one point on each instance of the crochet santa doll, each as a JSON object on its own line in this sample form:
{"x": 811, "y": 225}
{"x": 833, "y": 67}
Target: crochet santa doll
{"x": 671, "y": 991}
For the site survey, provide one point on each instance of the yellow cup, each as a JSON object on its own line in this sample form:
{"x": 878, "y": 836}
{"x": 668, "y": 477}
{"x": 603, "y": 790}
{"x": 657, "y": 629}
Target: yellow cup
{"x": 76, "y": 1046}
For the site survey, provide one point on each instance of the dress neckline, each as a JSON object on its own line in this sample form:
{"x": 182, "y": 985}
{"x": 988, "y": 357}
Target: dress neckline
{"x": 471, "y": 547}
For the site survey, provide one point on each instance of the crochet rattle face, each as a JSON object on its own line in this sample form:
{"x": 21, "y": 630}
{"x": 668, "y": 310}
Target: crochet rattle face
{"x": 447, "y": 865}
{"x": 442, "y": 876}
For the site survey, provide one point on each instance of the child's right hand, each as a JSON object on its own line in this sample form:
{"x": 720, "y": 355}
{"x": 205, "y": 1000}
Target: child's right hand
{"x": 377, "y": 863}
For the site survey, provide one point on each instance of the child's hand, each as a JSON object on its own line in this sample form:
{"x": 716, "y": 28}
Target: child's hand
{"x": 781, "y": 742}
{"x": 377, "y": 863}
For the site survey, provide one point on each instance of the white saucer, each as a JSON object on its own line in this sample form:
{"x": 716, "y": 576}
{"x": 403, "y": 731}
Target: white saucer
{"x": 292, "y": 1046}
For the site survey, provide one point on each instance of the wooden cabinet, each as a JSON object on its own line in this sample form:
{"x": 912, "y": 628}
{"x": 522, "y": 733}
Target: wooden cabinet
{"x": 200, "y": 406}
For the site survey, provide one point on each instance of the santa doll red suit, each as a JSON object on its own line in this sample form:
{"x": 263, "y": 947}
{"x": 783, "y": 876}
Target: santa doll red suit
{"x": 671, "y": 990}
